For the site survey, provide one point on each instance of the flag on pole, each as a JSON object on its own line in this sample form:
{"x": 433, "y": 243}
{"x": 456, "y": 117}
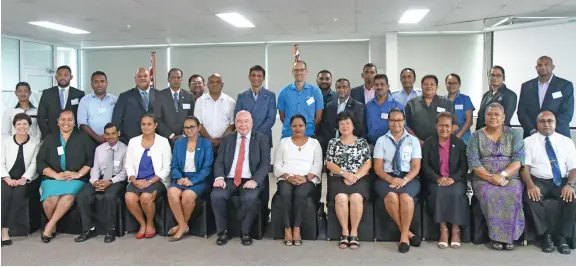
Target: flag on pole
{"x": 296, "y": 53}
{"x": 152, "y": 69}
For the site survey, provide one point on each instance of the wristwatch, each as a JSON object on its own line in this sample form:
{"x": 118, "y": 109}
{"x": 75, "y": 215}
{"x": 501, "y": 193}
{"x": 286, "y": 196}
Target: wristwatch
{"x": 573, "y": 185}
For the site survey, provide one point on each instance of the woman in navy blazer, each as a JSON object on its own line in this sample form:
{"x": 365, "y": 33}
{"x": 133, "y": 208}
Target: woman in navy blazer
{"x": 191, "y": 164}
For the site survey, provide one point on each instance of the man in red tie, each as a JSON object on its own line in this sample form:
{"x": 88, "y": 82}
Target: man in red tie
{"x": 241, "y": 168}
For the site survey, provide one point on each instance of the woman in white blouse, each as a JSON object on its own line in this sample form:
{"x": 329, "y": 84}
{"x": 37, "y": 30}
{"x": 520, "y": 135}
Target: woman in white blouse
{"x": 298, "y": 167}
{"x": 148, "y": 168}
{"x": 18, "y": 168}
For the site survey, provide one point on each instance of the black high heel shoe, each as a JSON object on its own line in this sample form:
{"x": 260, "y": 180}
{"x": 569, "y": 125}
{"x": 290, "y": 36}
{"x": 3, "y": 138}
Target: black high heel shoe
{"x": 46, "y": 239}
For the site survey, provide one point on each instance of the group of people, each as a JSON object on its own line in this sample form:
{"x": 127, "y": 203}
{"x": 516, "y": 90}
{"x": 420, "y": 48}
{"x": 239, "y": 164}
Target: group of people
{"x": 372, "y": 143}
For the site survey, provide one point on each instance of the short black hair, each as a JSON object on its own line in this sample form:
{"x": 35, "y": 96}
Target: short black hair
{"x": 23, "y": 84}
{"x": 298, "y": 116}
{"x": 345, "y": 115}
{"x": 303, "y": 62}
{"x": 445, "y": 114}
{"x": 369, "y": 65}
{"x": 257, "y": 68}
{"x": 344, "y": 80}
{"x": 175, "y": 69}
{"x": 324, "y": 71}
{"x": 22, "y": 117}
{"x": 194, "y": 119}
{"x": 97, "y": 73}
{"x": 194, "y": 76}
{"x": 149, "y": 115}
{"x": 381, "y": 76}
{"x": 67, "y": 110}
{"x": 410, "y": 70}
{"x": 455, "y": 76}
{"x": 429, "y": 76}
{"x": 397, "y": 110}
{"x": 502, "y": 70}
{"x": 64, "y": 67}
{"x": 110, "y": 125}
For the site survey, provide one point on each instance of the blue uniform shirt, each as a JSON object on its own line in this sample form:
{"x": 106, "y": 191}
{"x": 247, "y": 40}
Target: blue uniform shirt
{"x": 305, "y": 102}
{"x": 462, "y": 104}
{"x": 377, "y": 117}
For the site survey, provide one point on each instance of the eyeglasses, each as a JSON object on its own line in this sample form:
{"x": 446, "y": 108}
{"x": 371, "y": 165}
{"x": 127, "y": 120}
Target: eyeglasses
{"x": 190, "y": 128}
{"x": 549, "y": 121}
{"x": 197, "y": 83}
{"x": 396, "y": 121}
{"x": 299, "y": 70}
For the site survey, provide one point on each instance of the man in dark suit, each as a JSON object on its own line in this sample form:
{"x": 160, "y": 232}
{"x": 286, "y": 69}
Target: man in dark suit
{"x": 56, "y": 99}
{"x": 260, "y": 102}
{"x": 132, "y": 104}
{"x": 364, "y": 93}
{"x": 547, "y": 92}
{"x": 241, "y": 168}
{"x": 329, "y": 126}
{"x": 173, "y": 106}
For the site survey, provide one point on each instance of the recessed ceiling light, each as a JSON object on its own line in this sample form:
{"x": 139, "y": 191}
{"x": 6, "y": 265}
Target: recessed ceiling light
{"x": 58, "y": 27}
{"x": 413, "y": 16}
{"x": 236, "y": 20}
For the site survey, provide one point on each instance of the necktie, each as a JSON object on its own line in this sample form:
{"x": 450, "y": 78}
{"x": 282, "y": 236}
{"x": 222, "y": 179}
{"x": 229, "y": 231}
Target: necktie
{"x": 145, "y": 100}
{"x": 397, "y": 161}
{"x": 557, "y": 174}
{"x": 176, "y": 105}
{"x": 62, "y": 102}
{"x": 108, "y": 172}
{"x": 240, "y": 163}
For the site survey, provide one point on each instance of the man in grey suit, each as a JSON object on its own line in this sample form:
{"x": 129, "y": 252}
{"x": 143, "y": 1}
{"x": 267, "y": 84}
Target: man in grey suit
{"x": 241, "y": 168}
{"x": 260, "y": 102}
{"x": 364, "y": 93}
{"x": 132, "y": 104}
{"x": 173, "y": 106}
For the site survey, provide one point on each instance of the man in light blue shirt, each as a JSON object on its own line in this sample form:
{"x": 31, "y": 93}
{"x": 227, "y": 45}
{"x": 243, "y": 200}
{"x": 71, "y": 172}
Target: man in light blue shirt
{"x": 408, "y": 92}
{"x": 95, "y": 110}
{"x": 300, "y": 97}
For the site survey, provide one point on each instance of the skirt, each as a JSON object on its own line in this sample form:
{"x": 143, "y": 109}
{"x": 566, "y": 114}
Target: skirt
{"x": 52, "y": 188}
{"x": 382, "y": 188}
{"x": 449, "y": 203}
{"x": 155, "y": 187}
{"x": 198, "y": 189}
{"x": 337, "y": 186}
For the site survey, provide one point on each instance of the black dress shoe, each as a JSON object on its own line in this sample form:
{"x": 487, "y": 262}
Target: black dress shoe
{"x": 85, "y": 236}
{"x": 403, "y": 247}
{"x": 222, "y": 239}
{"x": 7, "y": 242}
{"x": 415, "y": 241}
{"x": 547, "y": 244}
{"x": 562, "y": 245}
{"x": 110, "y": 237}
{"x": 246, "y": 240}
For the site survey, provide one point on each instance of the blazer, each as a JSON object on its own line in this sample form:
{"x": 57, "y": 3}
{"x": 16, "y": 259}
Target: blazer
{"x": 559, "y": 99}
{"x": 258, "y": 156}
{"x": 431, "y": 159}
{"x": 79, "y": 153}
{"x": 203, "y": 159}
{"x": 171, "y": 121}
{"x": 506, "y": 97}
{"x": 128, "y": 111}
{"x": 263, "y": 110}
{"x": 161, "y": 157}
{"x": 49, "y": 108}
{"x": 329, "y": 125}
{"x": 358, "y": 94}
{"x": 10, "y": 153}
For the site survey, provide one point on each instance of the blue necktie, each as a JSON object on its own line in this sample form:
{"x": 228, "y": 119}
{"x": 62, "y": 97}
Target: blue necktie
{"x": 397, "y": 161}
{"x": 62, "y": 102}
{"x": 176, "y": 105}
{"x": 553, "y": 162}
{"x": 145, "y": 100}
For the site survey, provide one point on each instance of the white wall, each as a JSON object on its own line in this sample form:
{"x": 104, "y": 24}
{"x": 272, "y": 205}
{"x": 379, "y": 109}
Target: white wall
{"x": 444, "y": 54}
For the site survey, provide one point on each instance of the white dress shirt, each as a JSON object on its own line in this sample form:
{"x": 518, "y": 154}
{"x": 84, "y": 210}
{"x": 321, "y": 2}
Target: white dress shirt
{"x": 542, "y": 89}
{"x": 537, "y": 158}
{"x": 246, "y": 173}
{"x": 160, "y": 152}
{"x": 294, "y": 160}
{"x": 215, "y": 116}
{"x": 8, "y": 116}
{"x": 9, "y": 154}
{"x": 101, "y": 160}
{"x": 189, "y": 165}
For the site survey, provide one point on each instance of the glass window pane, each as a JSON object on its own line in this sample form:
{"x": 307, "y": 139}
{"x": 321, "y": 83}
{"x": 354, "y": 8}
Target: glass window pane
{"x": 68, "y": 56}
{"x": 37, "y": 56}
{"x": 10, "y": 63}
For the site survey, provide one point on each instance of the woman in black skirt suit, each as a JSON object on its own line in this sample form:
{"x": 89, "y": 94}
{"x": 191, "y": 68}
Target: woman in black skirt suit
{"x": 348, "y": 158}
{"x": 444, "y": 166}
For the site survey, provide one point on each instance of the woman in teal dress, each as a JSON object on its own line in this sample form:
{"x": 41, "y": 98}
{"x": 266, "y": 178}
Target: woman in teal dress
{"x": 191, "y": 164}
{"x": 64, "y": 161}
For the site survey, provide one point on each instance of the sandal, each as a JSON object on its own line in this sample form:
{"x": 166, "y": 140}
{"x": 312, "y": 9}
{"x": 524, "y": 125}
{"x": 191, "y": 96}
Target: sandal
{"x": 455, "y": 244}
{"x": 288, "y": 243}
{"x": 343, "y": 242}
{"x": 354, "y": 244}
{"x": 497, "y": 245}
{"x": 443, "y": 245}
{"x": 509, "y": 246}
{"x": 297, "y": 243}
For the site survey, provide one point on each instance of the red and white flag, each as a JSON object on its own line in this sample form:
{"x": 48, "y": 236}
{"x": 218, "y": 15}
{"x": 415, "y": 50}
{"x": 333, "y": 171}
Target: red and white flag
{"x": 296, "y": 53}
{"x": 152, "y": 69}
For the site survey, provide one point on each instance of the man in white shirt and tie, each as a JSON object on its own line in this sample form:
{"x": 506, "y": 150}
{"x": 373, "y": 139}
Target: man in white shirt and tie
{"x": 550, "y": 173}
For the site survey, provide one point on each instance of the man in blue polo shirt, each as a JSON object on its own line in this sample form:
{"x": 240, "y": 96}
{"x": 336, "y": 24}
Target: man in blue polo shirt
{"x": 300, "y": 97}
{"x": 377, "y": 109}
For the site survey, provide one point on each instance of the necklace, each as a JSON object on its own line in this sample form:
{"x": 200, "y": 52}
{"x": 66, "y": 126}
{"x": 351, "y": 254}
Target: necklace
{"x": 299, "y": 148}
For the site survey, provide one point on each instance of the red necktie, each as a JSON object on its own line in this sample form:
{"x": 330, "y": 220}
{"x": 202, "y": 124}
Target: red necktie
{"x": 240, "y": 163}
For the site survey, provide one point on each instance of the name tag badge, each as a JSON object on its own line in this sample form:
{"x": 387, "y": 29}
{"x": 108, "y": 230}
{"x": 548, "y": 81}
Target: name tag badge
{"x": 459, "y": 107}
{"x": 406, "y": 156}
{"x": 101, "y": 110}
{"x": 186, "y": 106}
{"x": 60, "y": 151}
{"x": 310, "y": 101}
{"x": 556, "y": 95}
{"x": 384, "y": 116}
{"x": 116, "y": 163}
{"x": 439, "y": 109}
{"x": 74, "y": 101}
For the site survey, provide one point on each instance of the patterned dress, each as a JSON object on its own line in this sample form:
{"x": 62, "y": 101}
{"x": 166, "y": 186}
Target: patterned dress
{"x": 501, "y": 206}
{"x": 350, "y": 158}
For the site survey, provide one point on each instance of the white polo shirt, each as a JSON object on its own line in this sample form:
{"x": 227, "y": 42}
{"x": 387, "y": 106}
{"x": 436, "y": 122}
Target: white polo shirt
{"x": 537, "y": 158}
{"x": 217, "y": 115}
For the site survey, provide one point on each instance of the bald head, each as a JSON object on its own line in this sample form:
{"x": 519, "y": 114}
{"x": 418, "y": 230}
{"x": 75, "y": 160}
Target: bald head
{"x": 544, "y": 67}
{"x": 243, "y": 122}
{"x": 142, "y": 78}
{"x": 546, "y": 123}
{"x": 215, "y": 84}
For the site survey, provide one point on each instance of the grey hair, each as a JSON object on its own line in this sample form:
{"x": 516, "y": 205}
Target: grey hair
{"x": 494, "y": 105}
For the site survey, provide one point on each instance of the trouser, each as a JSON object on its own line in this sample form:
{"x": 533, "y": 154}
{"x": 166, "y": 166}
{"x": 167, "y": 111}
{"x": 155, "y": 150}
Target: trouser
{"x": 13, "y": 202}
{"x": 294, "y": 201}
{"x": 248, "y": 208}
{"x": 86, "y": 197}
{"x": 549, "y": 221}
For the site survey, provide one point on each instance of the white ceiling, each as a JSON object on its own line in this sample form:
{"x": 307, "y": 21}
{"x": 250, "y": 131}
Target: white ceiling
{"x": 188, "y": 21}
